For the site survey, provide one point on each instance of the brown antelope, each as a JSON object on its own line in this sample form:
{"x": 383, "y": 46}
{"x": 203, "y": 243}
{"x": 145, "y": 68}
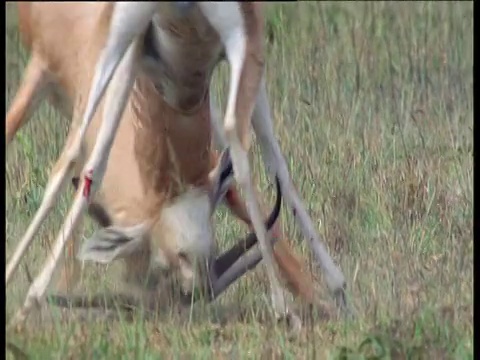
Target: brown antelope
{"x": 161, "y": 169}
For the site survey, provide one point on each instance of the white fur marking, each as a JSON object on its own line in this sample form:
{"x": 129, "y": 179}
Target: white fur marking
{"x": 188, "y": 220}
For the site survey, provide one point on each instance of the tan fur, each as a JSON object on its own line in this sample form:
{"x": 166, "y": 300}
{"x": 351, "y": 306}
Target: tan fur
{"x": 158, "y": 151}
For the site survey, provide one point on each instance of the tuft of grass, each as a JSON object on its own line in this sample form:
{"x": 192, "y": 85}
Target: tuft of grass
{"x": 373, "y": 109}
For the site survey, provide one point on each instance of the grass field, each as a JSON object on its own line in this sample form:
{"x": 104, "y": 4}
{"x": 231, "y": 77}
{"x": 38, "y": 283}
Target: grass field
{"x": 373, "y": 108}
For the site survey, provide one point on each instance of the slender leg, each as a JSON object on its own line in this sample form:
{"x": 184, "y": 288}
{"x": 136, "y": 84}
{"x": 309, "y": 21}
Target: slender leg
{"x": 71, "y": 267}
{"x": 244, "y": 53}
{"x": 59, "y": 175}
{"x": 276, "y": 165}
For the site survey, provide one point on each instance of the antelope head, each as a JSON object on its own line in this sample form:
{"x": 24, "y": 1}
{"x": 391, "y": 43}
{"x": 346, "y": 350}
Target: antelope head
{"x": 185, "y": 239}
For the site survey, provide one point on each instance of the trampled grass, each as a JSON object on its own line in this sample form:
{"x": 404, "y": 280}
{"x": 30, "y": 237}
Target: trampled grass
{"x": 373, "y": 107}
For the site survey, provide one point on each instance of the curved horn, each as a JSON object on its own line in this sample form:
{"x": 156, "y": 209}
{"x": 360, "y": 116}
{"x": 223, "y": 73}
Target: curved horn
{"x": 224, "y": 261}
{"x": 230, "y": 266}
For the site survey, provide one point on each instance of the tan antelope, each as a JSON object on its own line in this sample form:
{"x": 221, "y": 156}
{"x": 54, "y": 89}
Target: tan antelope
{"x": 161, "y": 169}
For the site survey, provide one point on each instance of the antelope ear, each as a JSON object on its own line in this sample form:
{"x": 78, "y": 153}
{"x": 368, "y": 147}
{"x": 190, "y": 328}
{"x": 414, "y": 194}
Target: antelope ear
{"x": 112, "y": 242}
{"x": 220, "y": 178}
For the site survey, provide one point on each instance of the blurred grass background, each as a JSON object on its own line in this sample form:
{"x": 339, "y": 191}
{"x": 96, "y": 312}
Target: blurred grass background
{"x": 373, "y": 108}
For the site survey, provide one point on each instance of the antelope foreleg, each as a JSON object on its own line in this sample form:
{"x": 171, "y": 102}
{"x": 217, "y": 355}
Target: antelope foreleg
{"x": 93, "y": 172}
{"x": 53, "y": 188}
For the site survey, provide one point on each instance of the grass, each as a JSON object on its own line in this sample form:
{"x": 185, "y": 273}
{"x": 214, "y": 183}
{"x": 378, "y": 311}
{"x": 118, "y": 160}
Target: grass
{"x": 373, "y": 108}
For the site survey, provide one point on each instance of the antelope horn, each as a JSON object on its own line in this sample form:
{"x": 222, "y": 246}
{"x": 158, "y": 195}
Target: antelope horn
{"x": 235, "y": 262}
{"x": 224, "y": 261}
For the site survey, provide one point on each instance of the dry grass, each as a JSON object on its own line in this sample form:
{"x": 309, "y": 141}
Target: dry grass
{"x": 373, "y": 106}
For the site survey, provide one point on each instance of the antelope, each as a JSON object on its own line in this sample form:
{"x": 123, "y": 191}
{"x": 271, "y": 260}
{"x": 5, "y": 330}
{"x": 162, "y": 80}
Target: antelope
{"x": 162, "y": 170}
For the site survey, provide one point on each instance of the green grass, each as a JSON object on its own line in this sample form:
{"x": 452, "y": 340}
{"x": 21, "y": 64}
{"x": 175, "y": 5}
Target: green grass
{"x": 373, "y": 108}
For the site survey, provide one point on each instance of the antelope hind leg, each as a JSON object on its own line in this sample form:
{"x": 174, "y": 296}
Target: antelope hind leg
{"x": 244, "y": 51}
{"x": 32, "y": 90}
{"x": 243, "y": 179}
{"x": 276, "y": 165}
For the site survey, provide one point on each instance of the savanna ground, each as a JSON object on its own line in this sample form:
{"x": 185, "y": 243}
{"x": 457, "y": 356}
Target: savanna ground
{"x": 373, "y": 107}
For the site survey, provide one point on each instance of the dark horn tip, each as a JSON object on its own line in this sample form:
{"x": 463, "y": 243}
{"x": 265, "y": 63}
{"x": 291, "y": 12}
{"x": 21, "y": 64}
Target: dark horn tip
{"x": 278, "y": 204}
{"x": 223, "y": 262}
